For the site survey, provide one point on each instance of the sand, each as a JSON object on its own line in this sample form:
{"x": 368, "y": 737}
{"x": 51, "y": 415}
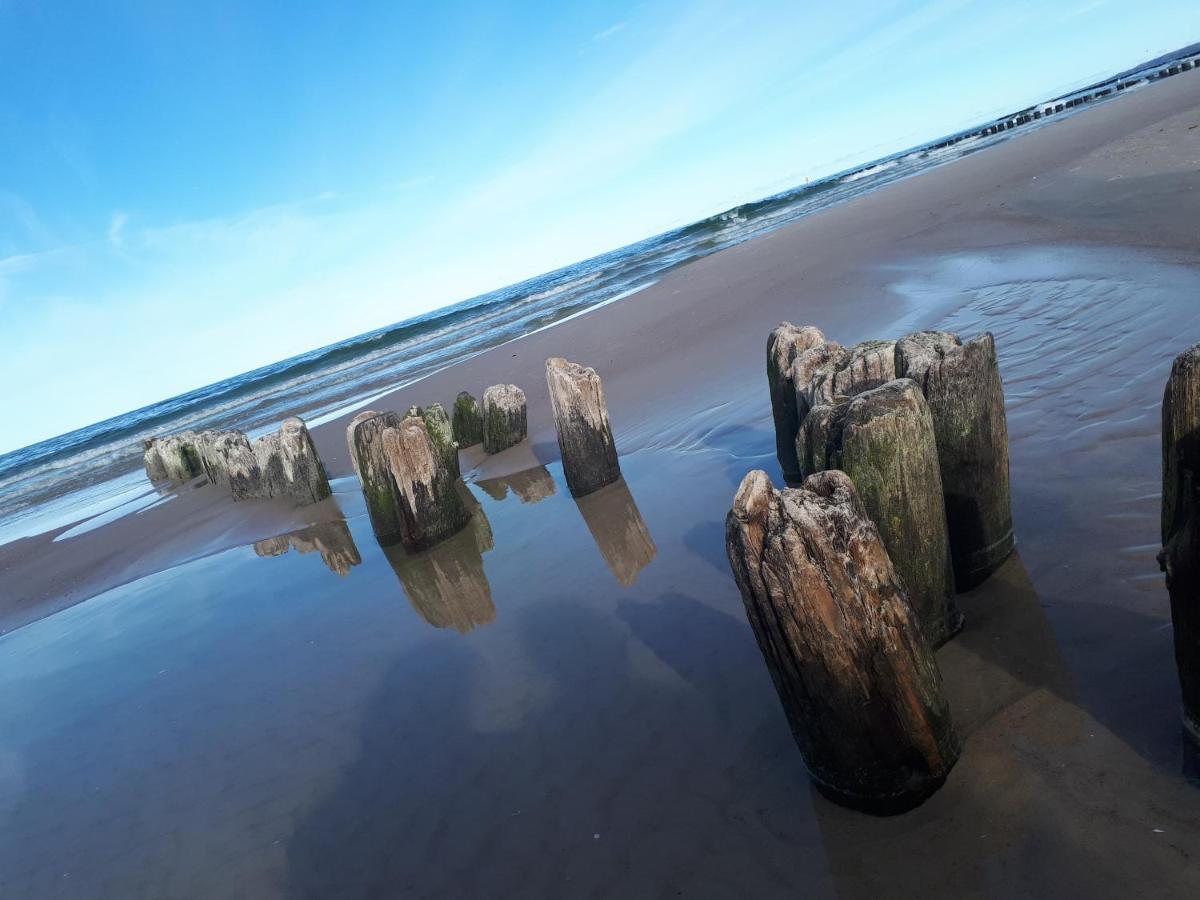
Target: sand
{"x": 572, "y": 704}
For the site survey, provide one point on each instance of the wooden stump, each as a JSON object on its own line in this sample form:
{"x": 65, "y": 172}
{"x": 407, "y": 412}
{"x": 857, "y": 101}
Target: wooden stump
{"x": 430, "y": 507}
{"x": 889, "y": 451}
{"x": 504, "y": 418}
{"x": 785, "y": 343}
{"x": 961, "y": 383}
{"x": 619, "y": 531}
{"x": 467, "y": 423}
{"x": 289, "y": 465}
{"x": 229, "y": 460}
{"x": 806, "y": 368}
{"x": 819, "y": 443}
{"x": 867, "y": 365}
{"x": 857, "y": 679}
{"x": 179, "y": 457}
{"x": 156, "y": 470}
{"x": 585, "y": 440}
{"x": 364, "y": 437}
{"x": 1180, "y": 557}
{"x": 442, "y": 434}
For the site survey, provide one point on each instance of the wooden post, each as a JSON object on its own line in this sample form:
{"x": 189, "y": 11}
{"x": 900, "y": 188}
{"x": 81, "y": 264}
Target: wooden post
{"x": 961, "y": 383}
{"x": 467, "y": 424}
{"x": 585, "y": 439}
{"x": 809, "y": 367}
{"x": 289, "y": 465}
{"x": 889, "y": 451}
{"x": 179, "y": 456}
{"x": 229, "y": 460}
{"x": 868, "y": 365}
{"x": 504, "y": 418}
{"x": 442, "y": 434}
{"x": 430, "y": 507}
{"x": 156, "y": 470}
{"x": 1180, "y": 556}
{"x": 857, "y": 679}
{"x": 364, "y": 437}
{"x": 784, "y": 344}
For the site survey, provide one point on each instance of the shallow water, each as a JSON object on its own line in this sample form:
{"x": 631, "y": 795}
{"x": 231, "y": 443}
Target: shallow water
{"x": 566, "y": 699}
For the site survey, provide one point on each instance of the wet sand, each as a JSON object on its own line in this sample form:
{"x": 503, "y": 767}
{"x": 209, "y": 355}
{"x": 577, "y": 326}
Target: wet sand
{"x": 568, "y": 700}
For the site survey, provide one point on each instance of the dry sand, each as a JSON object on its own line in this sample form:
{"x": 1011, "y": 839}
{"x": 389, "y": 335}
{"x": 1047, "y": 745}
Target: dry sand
{"x": 633, "y": 703}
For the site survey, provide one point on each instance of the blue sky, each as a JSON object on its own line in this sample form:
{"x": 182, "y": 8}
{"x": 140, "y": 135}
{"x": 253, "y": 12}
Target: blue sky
{"x": 191, "y": 190}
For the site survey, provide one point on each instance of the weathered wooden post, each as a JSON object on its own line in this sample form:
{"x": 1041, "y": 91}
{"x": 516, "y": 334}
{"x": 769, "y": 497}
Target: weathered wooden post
{"x": 889, "y": 451}
{"x": 961, "y": 383}
{"x": 152, "y": 462}
{"x": 585, "y": 439}
{"x": 504, "y": 418}
{"x": 229, "y": 460}
{"x": 1180, "y": 556}
{"x": 813, "y": 366}
{"x": 179, "y": 456}
{"x": 289, "y": 465}
{"x": 467, "y": 423}
{"x": 442, "y": 434}
{"x": 430, "y": 507}
{"x": 619, "y": 531}
{"x": 857, "y": 679}
{"x": 364, "y": 436}
{"x": 784, "y": 344}
{"x": 868, "y": 365}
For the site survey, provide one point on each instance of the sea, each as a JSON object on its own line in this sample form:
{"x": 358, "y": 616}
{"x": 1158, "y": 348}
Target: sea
{"x": 95, "y": 473}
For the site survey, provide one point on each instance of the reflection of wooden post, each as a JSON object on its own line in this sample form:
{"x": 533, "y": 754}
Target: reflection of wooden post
{"x": 784, "y": 344}
{"x": 530, "y": 485}
{"x": 619, "y": 531}
{"x": 504, "y": 419}
{"x": 331, "y": 539}
{"x": 1180, "y": 557}
{"x": 856, "y": 678}
{"x": 585, "y": 440}
{"x": 447, "y": 585}
{"x": 962, "y": 384}
{"x": 467, "y": 425}
{"x": 889, "y": 452}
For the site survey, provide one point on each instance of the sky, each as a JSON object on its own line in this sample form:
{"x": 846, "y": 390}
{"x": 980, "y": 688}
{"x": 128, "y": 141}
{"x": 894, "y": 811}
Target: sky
{"x": 192, "y": 190}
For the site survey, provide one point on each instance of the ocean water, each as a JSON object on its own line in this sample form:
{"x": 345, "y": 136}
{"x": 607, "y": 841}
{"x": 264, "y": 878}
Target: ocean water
{"x": 96, "y": 471}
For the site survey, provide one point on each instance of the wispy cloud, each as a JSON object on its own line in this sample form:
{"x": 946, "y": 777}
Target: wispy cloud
{"x": 609, "y": 31}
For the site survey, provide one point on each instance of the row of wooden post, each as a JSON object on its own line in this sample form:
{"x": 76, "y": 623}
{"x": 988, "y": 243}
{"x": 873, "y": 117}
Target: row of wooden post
{"x": 900, "y": 451}
{"x": 283, "y": 464}
{"x": 409, "y": 468}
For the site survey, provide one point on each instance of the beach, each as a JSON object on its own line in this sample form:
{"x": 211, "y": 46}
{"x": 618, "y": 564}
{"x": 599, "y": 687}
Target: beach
{"x": 208, "y": 698}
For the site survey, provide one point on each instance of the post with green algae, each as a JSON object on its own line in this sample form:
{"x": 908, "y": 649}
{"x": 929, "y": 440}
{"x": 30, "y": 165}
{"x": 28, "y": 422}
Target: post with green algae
{"x": 505, "y": 423}
{"x": 467, "y": 422}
